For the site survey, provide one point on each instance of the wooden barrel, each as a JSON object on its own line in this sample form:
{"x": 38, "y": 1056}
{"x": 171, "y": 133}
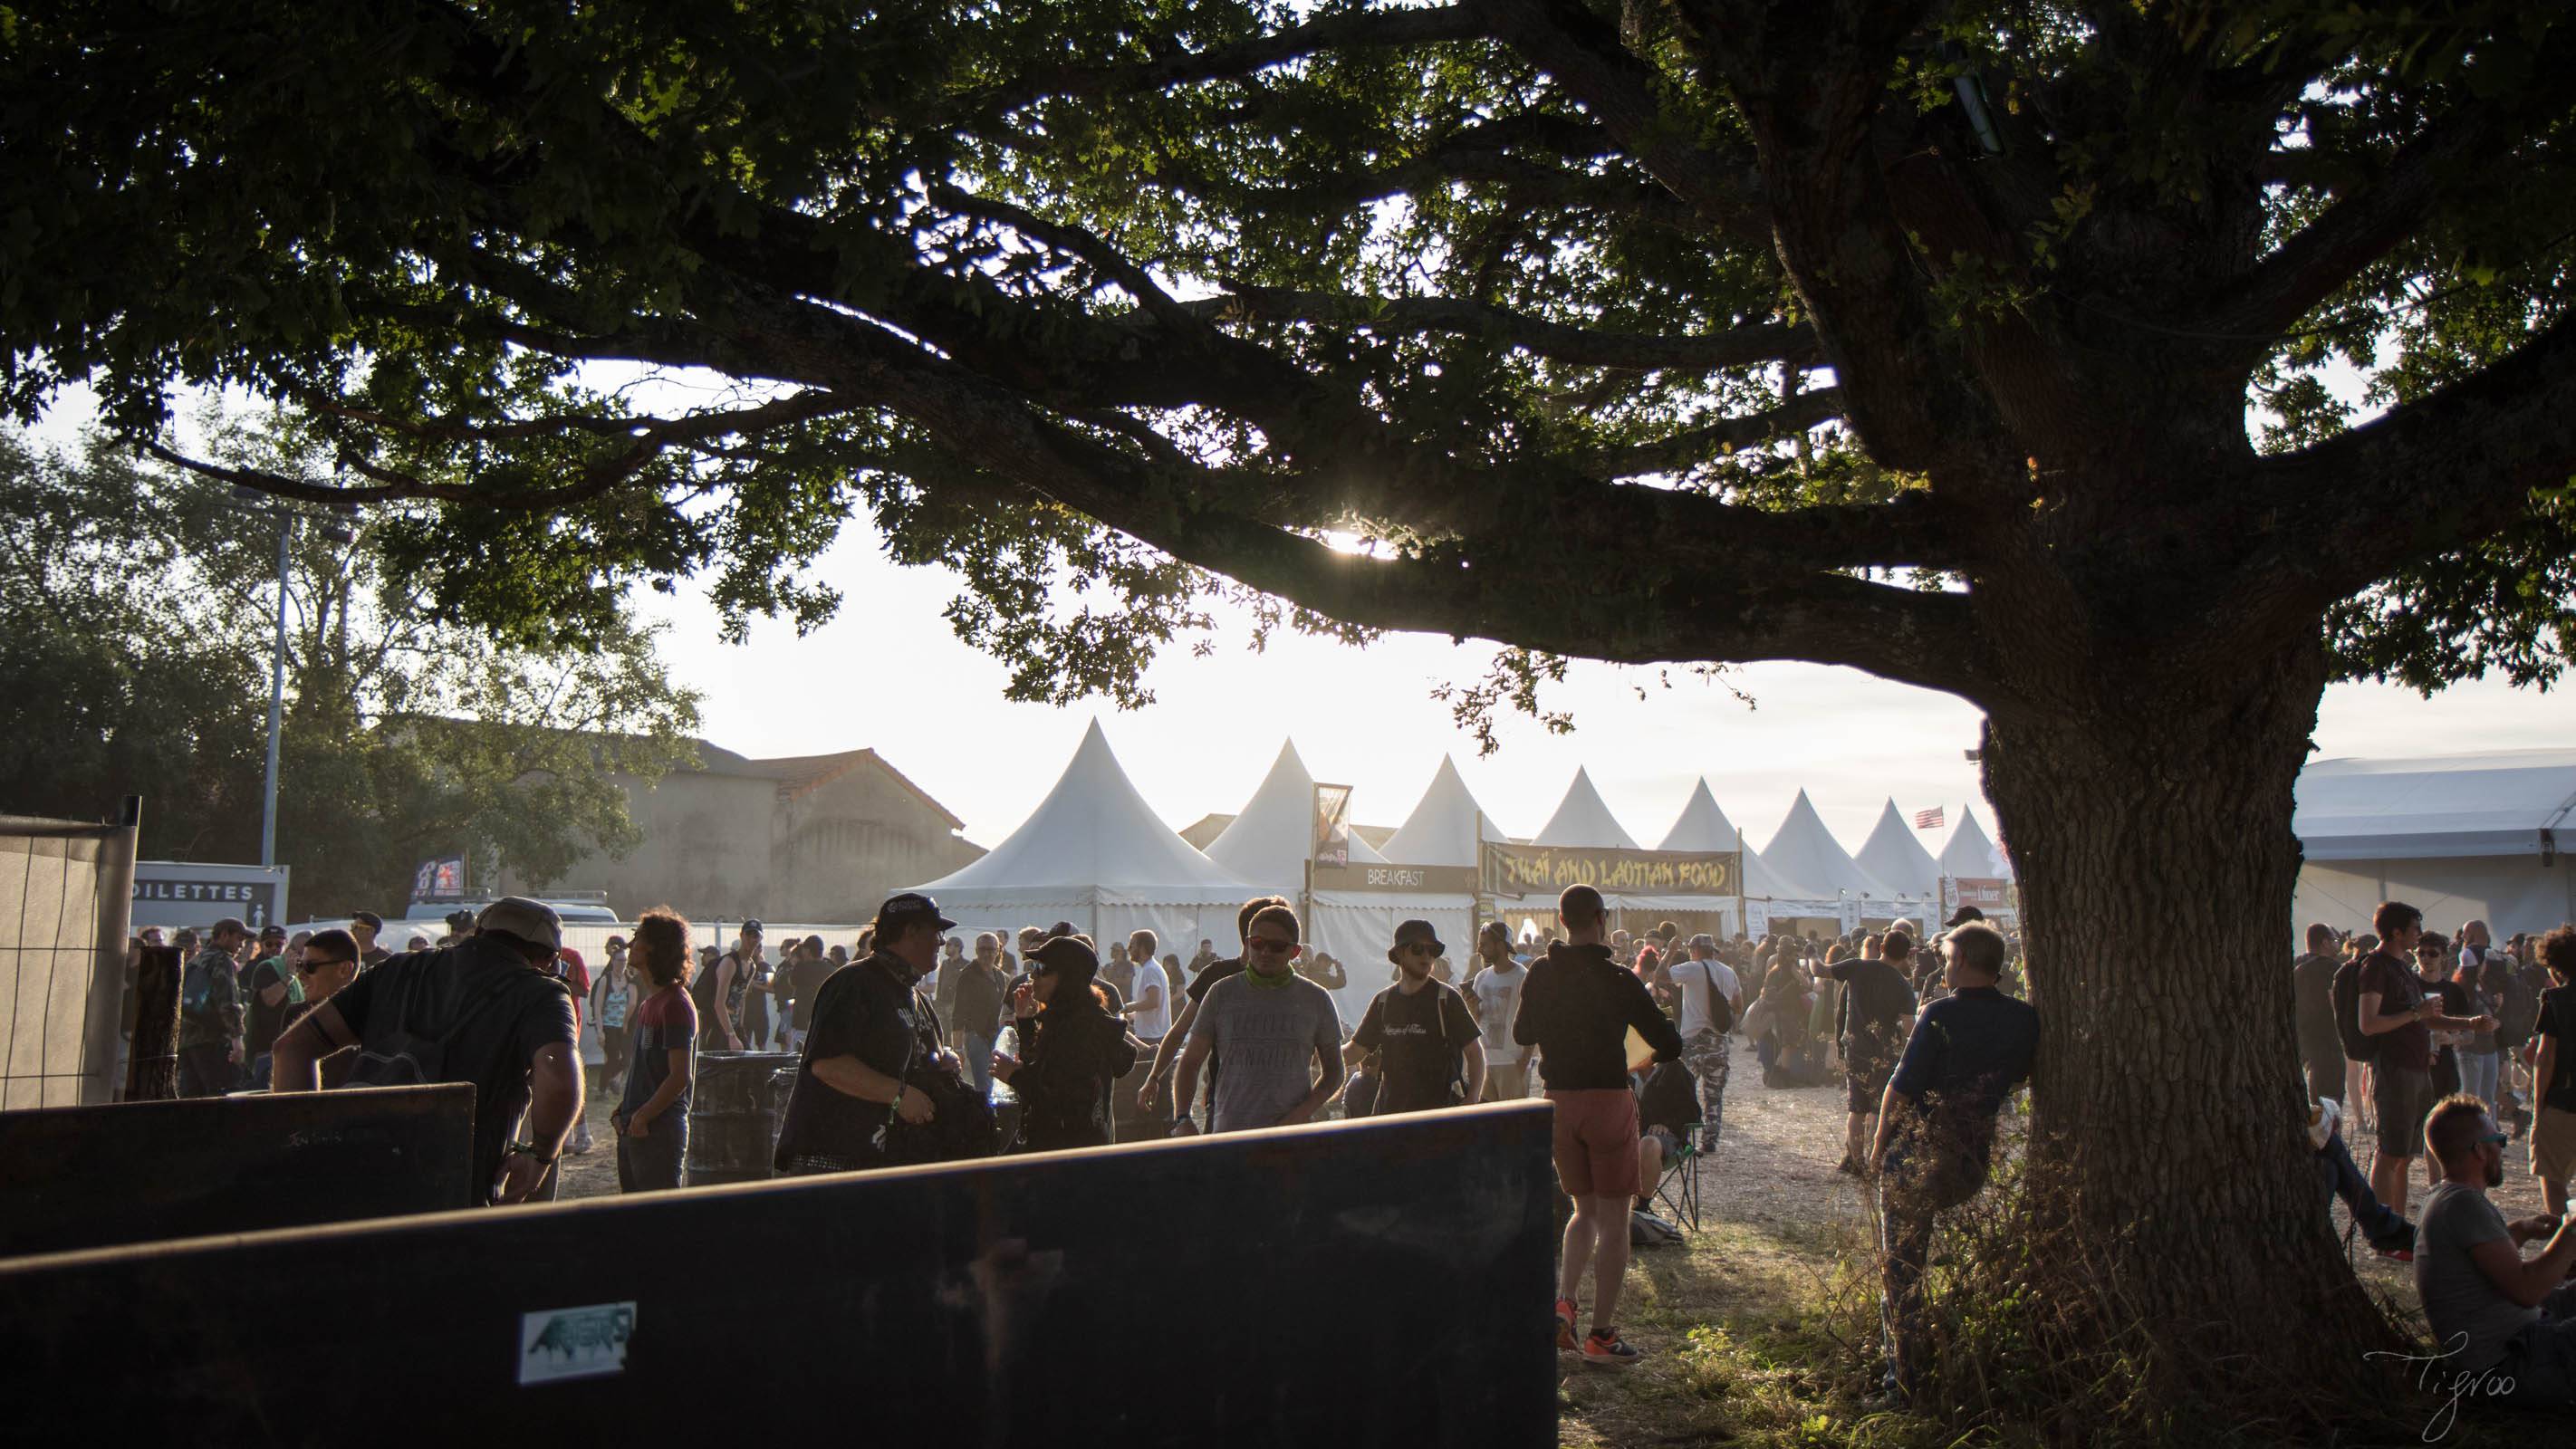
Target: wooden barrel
{"x": 733, "y": 1115}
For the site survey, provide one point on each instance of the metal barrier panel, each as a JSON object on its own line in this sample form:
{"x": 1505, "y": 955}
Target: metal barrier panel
{"x": 1374, "y": 1283}
{"x": 140, "y": 1172}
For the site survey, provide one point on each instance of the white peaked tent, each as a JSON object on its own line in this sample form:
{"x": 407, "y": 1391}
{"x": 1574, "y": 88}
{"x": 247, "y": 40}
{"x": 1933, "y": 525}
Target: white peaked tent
{"x": 1094, "y": 853}
{"x": 1445, "y": 826}
{"x": 1803, "y": 850}
{"x": 1268, "y": 843}
{"x": 1892, "y": 854}
{"x": 1701, "y": 825}
{"x": 1582, "y": 818}
{"x": 2459, "y": 837}
{"x": 1969, "y": 854}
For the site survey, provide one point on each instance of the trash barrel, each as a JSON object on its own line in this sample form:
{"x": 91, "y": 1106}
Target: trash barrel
{"x": 733, "y": 1115}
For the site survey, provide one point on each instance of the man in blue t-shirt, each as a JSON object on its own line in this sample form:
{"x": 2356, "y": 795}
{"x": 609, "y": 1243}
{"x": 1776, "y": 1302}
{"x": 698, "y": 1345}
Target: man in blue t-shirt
{"x": 1936, "y": 1126}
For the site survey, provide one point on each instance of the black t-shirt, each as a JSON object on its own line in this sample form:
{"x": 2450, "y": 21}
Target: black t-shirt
{"x": 1418, "y": 1039}
{"x": 869, "y": 1010}
{"x": 978, "y": 1006}
{"x": 805, "y": 978}
{"x": 1668, "y": 1098}
{"x": 1876, "y": 996}
{"x": 2312, "y": 1006}
{"x": 2558, "y": 1019}
{"x": 501, "y": 1011}
{"x": 260, "y": 1022}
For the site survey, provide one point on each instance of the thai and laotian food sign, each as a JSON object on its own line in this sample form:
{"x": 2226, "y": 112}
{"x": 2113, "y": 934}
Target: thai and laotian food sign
{"x": 1535, "y": 870}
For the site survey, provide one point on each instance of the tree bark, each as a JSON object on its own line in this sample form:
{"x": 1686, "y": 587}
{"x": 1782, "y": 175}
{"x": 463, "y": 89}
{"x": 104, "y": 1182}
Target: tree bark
{"x": 2149, "y": 821}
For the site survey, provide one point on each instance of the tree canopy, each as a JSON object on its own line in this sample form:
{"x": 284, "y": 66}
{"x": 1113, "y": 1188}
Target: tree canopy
{"x": 1823, "y": 320}
{"x": 139, "y": 604}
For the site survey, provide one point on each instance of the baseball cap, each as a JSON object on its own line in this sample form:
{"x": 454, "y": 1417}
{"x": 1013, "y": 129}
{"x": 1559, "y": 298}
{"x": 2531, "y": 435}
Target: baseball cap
{"x": 1067, "y": 953}
{"x": 370, "y": 920}
{"x": 754, "y": 928}
{"x": 904, "y": 908}
{"x": 461, "y": 919}
{"x": 1703, "y": 942}
{"x": 534, "y": 922}
{"x": 1962, "y": 916}
{"x": 272, "y": 933}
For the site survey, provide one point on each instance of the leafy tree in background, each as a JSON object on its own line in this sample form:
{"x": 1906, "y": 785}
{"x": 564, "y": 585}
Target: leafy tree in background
{"x": 137, "y": 606}
{"x": 1916, "y": 338}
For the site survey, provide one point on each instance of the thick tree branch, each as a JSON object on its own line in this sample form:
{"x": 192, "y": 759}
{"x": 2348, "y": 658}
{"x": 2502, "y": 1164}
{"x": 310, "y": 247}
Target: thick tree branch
{"x": 2425, "y": 478}
{"x": 1425, "y": 26}
{"x": 1695, "y": 446}
{"x": 1583, "y": 346}
{"x": 1584, "y": 55}
{"x": 2365, "y": 225}
{"x": 651, "y": 438}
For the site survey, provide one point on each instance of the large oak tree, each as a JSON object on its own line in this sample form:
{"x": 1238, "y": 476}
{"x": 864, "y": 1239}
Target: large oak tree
{"x": 1918, "y": 338}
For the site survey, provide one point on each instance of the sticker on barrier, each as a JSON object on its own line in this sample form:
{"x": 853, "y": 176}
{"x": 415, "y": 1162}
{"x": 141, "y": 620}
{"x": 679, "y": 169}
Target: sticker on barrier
{"x": 574, "y": 1343}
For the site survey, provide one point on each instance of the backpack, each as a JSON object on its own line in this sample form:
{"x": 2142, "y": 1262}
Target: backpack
{"x": 397, "y": 1056}
{"x": 2358, "y": 1045}
{"x": 702, "y": 994}
{"x": 1721, "y": 1012}
{"x": 2518, "y": 1017}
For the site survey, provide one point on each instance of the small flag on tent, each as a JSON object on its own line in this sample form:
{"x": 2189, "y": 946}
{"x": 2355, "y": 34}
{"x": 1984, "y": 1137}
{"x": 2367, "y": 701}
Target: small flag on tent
{"x": 1332, "y": 825}
{"x": 1928, "y": 819}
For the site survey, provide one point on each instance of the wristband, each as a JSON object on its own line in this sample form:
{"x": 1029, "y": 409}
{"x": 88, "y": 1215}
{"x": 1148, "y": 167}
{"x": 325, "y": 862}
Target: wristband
{"x": 899, "y": 1089}
{"x": 527, "y": 1149}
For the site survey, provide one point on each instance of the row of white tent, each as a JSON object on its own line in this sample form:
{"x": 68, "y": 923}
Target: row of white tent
{"x": 1095, "y": 853}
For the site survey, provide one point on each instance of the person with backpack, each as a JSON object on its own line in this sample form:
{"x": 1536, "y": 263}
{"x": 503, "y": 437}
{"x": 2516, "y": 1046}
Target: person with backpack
{"x": 720, "y": 992}
{"x": 486, "y": 1011}
{"x": 858, "y": 1084}
{"x": 1422, "y": 1030}
{"x": 1711, "y": 998}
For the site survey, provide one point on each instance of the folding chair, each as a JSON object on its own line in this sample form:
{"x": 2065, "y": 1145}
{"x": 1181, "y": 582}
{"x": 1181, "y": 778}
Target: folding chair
{"x": 1678, "y": 1188}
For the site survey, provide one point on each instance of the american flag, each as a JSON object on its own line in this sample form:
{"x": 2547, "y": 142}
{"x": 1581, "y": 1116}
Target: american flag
{"x": 1928, "y": 819}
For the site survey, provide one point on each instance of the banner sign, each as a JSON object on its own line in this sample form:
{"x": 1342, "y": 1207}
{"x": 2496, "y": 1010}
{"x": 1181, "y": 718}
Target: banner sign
{"x": 1536, "y": 870}
{"x": 1437, "y": 880}
{"x": 1983, "y": 893}
{"x": 439, "y": 880}
{"x": 171, "y": 894}
{"x": 1332, "y": 825}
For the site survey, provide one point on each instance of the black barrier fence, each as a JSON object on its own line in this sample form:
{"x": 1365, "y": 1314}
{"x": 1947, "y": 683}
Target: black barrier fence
{"x": 1374, "y": 1283}
{"x": 89, "y": 1177}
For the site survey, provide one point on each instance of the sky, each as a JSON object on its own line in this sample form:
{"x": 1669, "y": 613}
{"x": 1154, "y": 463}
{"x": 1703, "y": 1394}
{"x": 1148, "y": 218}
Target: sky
{"x": 1366, "y": 717}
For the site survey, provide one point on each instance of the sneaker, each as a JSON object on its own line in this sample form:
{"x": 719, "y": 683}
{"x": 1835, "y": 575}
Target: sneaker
{"x": 1565, "y": 1311}
{"x": 1606, "y": 1348}
{"x": 2398, "y": 1246}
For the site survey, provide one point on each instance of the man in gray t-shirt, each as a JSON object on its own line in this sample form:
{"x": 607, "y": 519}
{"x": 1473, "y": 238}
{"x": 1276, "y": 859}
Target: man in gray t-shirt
{"x": 2490, "y": 1311}
{"x": 1274, "y": 1028}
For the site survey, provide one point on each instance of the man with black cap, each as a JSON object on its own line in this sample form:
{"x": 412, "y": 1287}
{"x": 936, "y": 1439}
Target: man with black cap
{"x": 364, "y": 928}
{"x": 719, "y": 997}
{"x": 460, "y": 924}
{"x": 486, "y": 1011}
{"x": 872, "y": 1026}
{"x": 1423, "y": 1030}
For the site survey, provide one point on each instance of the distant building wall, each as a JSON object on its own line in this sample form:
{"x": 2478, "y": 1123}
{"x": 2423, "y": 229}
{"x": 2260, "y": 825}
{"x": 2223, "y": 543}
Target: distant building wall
{"x": 816, "y": 839}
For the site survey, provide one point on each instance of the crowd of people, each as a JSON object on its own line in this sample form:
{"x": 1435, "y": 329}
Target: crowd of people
{"x": 2449, "y": 1048}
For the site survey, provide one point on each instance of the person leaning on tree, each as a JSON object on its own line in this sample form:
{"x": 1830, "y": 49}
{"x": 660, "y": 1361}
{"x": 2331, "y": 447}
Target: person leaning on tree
{"x": 1936, "y": 1129}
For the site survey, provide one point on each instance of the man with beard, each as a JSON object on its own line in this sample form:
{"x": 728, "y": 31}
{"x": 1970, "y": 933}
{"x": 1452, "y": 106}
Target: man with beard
{"x": 1167, "y": 1056}
{"x": 1423, "y": 1031}
{"x": 872, "y": 1025}
{"x": 1276, "y": 1029}
{"x": 2502, "y": 1323}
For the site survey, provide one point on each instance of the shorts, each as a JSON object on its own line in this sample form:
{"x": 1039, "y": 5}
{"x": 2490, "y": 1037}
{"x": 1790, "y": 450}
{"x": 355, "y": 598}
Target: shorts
{"x": 1865, "y": 1083}
{"x": 1671, "y": 1141}
{"x": 2401, "y": 1096}
{"x": 1596, "y": 1142}
{"x": 2553, "y": 1145}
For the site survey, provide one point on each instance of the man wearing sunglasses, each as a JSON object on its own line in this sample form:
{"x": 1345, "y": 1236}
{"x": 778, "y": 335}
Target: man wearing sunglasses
{"x": 1424, "y": 1030}
{"x": 1279, "y": 1032}
{"x": 330, "y": 961}
{"x": 2505, "y": 1325}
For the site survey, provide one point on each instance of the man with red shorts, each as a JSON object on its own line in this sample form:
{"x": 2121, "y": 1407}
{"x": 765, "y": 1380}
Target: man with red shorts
{"x": 1576, "y": 1009}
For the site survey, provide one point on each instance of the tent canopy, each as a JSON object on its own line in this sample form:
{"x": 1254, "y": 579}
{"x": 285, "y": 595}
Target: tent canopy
{"x": 1269, "y": 842}
{"x": 1969, "y": 854}
{"x": 1445, "y": 827}
{"x": 2436, "y": 807}
{"x": 1093, "y": 833}
{"x": 1803, "y": 850}
{"x": 1893, "y": 855}
{"x": 1701, "y": 825}
{"x": 1582, "y": 818}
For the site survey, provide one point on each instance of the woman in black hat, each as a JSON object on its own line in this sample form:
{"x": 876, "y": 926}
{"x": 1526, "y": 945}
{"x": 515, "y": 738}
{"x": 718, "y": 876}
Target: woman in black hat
{"x": 1072, "y": 1052}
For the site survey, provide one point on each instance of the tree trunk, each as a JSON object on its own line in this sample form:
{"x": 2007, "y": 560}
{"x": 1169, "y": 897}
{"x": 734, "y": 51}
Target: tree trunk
{"x": 2150, "y": 832}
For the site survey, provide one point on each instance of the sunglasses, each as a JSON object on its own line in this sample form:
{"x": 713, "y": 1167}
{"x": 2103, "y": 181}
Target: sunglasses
{"x": 309, "y": 964}
{"x": 1419, "y": 949}
{"x": 1266, "y": 944}
{"x": 2498, "y": 1138}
